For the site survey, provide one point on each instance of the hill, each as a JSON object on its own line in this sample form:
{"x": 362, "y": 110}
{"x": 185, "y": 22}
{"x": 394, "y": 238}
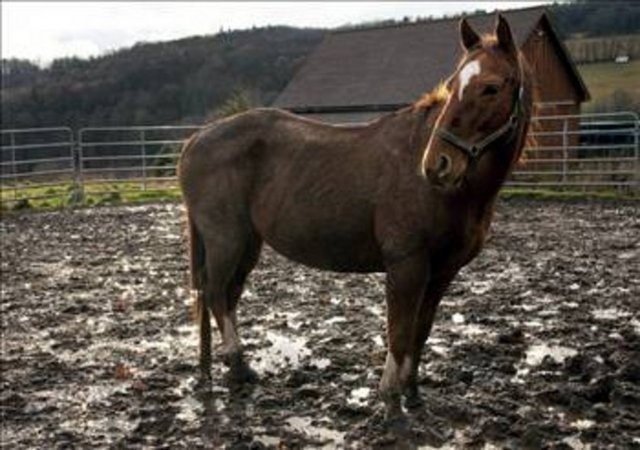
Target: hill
{"x": 152, "y": 83}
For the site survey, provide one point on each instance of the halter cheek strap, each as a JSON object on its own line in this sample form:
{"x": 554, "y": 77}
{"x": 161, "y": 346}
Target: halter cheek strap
{"x": 475, "y": 150}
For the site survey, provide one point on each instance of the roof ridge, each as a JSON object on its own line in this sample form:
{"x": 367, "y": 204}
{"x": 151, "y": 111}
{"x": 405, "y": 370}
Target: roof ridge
{"x": 356, "y": 29}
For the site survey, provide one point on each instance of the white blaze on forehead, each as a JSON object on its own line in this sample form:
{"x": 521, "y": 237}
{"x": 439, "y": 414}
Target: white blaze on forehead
{"x": 470, "y": 70}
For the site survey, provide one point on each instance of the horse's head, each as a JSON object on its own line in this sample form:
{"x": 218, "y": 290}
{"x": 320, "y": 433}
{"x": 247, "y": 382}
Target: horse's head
{"x": 483, "y": 108}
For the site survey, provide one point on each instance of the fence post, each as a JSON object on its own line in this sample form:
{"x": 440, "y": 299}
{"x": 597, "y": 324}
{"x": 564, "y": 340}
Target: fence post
{"x": 565, "y": 155}
{"x": 144, "y": 160}
{"x": 636, "y": 138}
{"x": 13, "y": 165}
{"x": 76, "y": 150}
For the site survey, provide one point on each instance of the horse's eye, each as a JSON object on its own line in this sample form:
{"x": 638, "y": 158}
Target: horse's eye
{"x": 490, "y": 89}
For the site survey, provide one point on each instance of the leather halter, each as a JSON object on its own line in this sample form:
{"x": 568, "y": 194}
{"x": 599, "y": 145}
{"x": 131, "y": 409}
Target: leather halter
{"x": 475, "y": 150}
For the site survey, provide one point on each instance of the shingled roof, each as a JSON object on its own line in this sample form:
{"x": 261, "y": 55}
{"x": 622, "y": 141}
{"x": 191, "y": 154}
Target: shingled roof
{"x": 388, "y": 66}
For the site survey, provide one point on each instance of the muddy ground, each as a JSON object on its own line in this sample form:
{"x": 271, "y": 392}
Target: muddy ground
{"x": 537, "y": 342}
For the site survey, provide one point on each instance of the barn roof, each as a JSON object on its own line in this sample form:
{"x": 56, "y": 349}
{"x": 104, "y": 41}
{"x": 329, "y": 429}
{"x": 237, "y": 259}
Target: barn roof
{"x": 384, "y": 67}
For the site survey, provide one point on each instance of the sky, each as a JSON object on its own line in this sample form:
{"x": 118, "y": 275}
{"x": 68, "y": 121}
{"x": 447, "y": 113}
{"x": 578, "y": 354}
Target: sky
{"x": 43, "y": 31}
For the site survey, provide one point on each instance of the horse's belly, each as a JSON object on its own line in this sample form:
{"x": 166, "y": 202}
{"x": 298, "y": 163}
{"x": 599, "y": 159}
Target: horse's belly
{"x": 335, "y": 259}
{"x": 327, "y": 249}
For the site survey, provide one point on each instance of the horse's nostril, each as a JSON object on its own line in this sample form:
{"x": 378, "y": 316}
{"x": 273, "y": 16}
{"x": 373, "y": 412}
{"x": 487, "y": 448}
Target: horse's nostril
{"x": 444, "y": 165}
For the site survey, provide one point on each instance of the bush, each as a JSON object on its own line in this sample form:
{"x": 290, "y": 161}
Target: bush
{"x": 164, "y": 166}
{"x": 22, "y": 204}
{"x": 110, "y": 199}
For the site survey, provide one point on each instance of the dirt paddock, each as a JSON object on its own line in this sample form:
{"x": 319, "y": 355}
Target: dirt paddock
{"x": 536, "y": 344}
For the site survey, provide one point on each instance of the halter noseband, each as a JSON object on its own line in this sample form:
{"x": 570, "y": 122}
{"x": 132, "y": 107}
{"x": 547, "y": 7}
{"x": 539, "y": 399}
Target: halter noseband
{"x": 475, "y": 150}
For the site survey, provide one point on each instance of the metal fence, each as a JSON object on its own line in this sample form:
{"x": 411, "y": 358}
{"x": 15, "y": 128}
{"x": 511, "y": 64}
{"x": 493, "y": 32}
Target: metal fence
{"x": 582, "y": 152}
{"x": 127, "y": 159}
{"x": 36, "y": 163}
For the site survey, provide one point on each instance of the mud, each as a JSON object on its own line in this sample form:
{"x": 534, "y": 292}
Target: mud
{"x": 536, "y": 344}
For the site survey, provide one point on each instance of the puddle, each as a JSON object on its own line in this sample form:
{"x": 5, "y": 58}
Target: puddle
{"x": 190, "y": 408}
{"x": 575, "y": 443}
{"x": 285, "y": 351}
{"x": 321, "y": 363}
{"x": 325, "y": 435}
{"x": 457, "y": 318}
{"x": 267, "y": 440}
{"x": 582, "y": 424}
{"x": 376, "y": 311}
{"x": 337, "y": 319}
{"x": 359, "y": 396}
{"x": 290, "y": 318}
{"x": 472, "y": 330}
{"x": 609, "y": 314}
{"x": 480, "y": 287}
{"x": 536, "y": 353}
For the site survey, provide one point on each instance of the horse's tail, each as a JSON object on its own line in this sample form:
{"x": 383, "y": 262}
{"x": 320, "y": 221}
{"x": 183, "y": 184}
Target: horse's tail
{"x": 197, "y": 267}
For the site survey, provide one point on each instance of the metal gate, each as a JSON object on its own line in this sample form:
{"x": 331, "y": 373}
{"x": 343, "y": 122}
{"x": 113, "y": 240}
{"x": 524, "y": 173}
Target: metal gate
{"x": 584, "y": 152}
{"x": 37, "y": 163}
{"x": 129, "y": 159}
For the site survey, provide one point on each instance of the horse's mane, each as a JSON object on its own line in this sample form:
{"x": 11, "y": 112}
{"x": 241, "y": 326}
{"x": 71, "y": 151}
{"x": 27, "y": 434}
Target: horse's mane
{"x": 438, "y": 95}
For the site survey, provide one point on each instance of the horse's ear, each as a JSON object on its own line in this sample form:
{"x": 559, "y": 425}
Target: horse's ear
{"x": 469, "y": 38}
{"x": 505, "y": 37}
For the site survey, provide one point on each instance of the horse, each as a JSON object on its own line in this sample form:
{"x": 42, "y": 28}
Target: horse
{"x": 410, "y": 194}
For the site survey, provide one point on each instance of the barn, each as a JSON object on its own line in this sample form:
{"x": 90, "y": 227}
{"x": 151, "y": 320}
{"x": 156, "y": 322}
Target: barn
{"x": 356, "y": 75}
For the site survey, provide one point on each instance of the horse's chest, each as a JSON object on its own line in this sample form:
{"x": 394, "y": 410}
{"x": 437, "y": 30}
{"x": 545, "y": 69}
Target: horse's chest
{"x": 460, "y": 247}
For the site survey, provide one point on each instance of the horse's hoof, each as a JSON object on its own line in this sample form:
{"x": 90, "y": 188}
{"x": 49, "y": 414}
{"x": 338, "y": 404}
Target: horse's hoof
{"x": 414, "y": 401}
{"x": 392, "y": 405}
{"x": 243, "y": 374}
{"x": 203, "y": 383}
{"x": 239, "y": 371}
{"x": 398, "y": 424}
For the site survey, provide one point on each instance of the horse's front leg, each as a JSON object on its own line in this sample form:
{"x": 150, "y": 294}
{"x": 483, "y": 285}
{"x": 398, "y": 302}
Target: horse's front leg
{"x": 424, "y": 322}
{"x": 406, "y": 285}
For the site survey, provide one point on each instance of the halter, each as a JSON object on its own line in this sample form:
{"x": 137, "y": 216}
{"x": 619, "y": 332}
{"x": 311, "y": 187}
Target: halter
{"x": 475, "y": 150}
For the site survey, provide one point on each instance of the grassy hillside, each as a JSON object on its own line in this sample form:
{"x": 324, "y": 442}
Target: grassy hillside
{"x": 616, "y": 86}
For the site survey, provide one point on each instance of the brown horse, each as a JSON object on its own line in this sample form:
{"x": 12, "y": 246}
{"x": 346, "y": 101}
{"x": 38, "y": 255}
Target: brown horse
{"x": 410, "y": 194}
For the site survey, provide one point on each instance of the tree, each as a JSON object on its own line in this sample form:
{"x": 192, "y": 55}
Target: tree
{"x": 237, "y": 102}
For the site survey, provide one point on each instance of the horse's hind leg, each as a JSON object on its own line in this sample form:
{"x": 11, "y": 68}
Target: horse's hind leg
{"x": 239, "y": 369}
{"x": 226, "y": 266}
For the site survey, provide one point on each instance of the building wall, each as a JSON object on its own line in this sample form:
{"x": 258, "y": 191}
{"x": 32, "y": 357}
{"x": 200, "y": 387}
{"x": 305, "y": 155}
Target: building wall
{"x": 556, "y": 96}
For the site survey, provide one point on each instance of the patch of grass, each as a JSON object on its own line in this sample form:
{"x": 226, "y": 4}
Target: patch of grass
{"x": 65, "y": 195}
{"x": 548, "y": 194}
{"x": 603, "y": 79}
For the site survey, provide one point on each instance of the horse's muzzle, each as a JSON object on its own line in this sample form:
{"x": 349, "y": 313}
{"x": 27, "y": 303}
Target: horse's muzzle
{"x": 442, "y": 174}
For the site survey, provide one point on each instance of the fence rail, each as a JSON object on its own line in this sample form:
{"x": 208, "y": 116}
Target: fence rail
{"x": 586, "y": 151}
{"x": 579, "y": 152}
